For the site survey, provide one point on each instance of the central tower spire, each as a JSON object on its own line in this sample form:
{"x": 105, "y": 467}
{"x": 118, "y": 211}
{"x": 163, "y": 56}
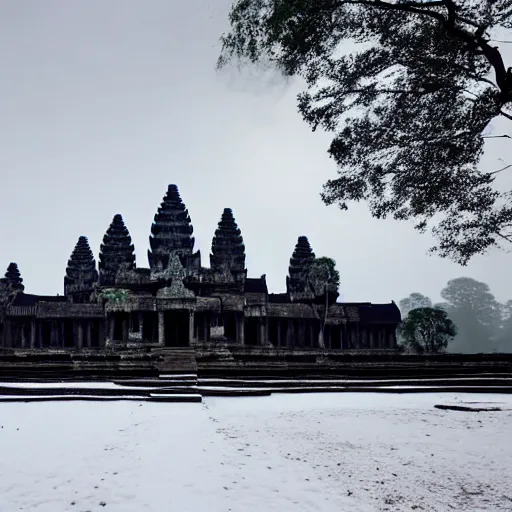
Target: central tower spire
{"x": 171, "y": 231}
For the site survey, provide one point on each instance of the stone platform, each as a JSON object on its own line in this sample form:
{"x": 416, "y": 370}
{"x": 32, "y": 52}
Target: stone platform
{"x": 190, "y": 373}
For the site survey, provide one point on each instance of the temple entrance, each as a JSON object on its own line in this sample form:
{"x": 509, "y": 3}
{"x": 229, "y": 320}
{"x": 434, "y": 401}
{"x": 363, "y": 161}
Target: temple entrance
{"x": 230, "y": 325}
{"x": 252, "y": 326}
{"x": 176, "y": 328}
{"x": 150, "y": 326}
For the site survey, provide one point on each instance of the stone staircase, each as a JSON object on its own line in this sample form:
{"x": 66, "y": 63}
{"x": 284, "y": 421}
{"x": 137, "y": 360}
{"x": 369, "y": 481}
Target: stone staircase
{"x": 175, "y": 360}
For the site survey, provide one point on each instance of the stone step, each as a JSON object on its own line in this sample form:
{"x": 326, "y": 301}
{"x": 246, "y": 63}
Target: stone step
{"x": 175, "y": 360}
{"x": 186, "y": 398}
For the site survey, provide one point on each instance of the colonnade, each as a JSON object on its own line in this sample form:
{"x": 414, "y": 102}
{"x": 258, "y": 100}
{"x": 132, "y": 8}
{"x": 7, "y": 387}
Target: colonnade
{"x": 183, "y": 327}
{"x": 37, "y": 333}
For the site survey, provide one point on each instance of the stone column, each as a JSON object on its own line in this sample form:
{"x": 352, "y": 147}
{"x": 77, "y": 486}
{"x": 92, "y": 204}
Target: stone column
{"x": 101, "y": 333}
{"x": 161, "y": 328}
{"x": 52, "y": 333}
{"x": 321, "y": 339}
{"x": 290, "y": 340}
{"x": 33, "y": 333}
{"x": 262, "y": 331}
{"x": 80, "y": 341}
{"x": 111, "y": 328}
{"x": 141, "y": 325}
{"x": 23, "y": 335}
{"x": 206, "y": 327}
{"x": 89, "y": 333}
{"x": 63, "y": 333}
{"x": 125, "y": 328}
{"x": 278, "y": 324}
{"x": 240, "y": 328}
{"x": 301, "y": 333}
{"x": 312, "y": 334}
{"x": 190, "y": 327}
{"x": 7, "y": 333}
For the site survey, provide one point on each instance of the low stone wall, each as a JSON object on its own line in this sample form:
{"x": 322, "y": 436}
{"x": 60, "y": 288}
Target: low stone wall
{"x": 101, "y": 364}
{"x": 232, "y": 360}
{"x": 225, "y": 360}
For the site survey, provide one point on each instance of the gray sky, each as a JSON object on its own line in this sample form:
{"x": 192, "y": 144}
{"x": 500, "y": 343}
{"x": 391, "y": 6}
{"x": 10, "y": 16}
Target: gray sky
{"x": 104, "y": 103}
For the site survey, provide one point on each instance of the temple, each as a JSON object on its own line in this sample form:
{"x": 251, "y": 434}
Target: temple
{"x": 176, "y": 302}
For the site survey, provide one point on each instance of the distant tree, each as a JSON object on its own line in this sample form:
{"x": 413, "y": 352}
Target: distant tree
{"x": 409, "y": 89}
{"x": 427, "y": 330}
{"x": 504, "y": 336}
{"x": 414, "y": 301}
{"x": 475, "y": 311}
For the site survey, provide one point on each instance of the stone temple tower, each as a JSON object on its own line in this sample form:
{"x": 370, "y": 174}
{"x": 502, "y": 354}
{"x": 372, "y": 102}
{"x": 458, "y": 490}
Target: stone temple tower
{"x": 227, "y": 259}
{"x": 171, "y": 233}
{"x": 81, "y": 275}
{"x": 300, "y": 263}
{"x": 116, "y": 252}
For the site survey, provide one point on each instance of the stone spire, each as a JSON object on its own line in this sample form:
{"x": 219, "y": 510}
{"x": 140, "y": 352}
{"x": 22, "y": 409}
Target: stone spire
{"x": 81, "y": 274}
{"x": 171, "y": 231}
{"x": 13, "y": 277}
{"x": 300, "y": 263}
{"x": 228, "y": 250}
{"x": 116, "y": 252}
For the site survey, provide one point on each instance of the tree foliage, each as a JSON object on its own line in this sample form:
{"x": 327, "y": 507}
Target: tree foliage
{"x": 323, "y": 272}
{"x": 427, "y": 330}
{"x": 114, "y": 295}
{"x": 475, "y": 311}
{"x": 408, "y": 88}
{"x": 414, "y": 301}
{"x": 504, "y": 336}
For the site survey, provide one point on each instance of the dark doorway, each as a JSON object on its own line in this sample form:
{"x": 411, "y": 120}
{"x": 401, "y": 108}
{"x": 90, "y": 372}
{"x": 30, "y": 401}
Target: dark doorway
{"x": 95, "y": 333}
{"x": 45, "y": 333}
{"x": 150, "y": 326}
{"x": 252, "y": 326}
{"x": 68, "y": 333}
{"x": 230, "y": 325}
{"x": 121, "y": 326}
{"x": 335, "y": 336}
{"x": 176, "y": 328}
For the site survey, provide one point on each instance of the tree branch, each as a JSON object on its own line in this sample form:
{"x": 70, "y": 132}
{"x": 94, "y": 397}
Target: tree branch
{"x": 475, "y": 40}
{"x": 500, "y": 170}
{"x": 508, "y": 116}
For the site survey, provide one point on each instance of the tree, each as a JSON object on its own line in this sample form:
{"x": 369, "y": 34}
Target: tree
{"x": 409, "y": 89}
{"x": 325, "y": 280}
{"x": 414, "y": 301}
{"x": 427, "y": 330}
{"x": 504, "y": 336}
{"x": 476, "y": 312}
{"x": 323, "y": 273}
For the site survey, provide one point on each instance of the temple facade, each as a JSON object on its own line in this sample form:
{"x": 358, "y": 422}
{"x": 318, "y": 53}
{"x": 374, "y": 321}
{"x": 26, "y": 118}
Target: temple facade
{"x": 176, "y": 302}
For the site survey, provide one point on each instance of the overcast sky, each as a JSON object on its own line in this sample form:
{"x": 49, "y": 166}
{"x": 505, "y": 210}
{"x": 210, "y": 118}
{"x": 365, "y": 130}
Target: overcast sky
{"x": 103, "y": 103}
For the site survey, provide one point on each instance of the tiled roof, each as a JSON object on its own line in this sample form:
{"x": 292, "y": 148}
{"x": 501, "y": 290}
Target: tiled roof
{"x": 27, "y": 299}
{"x": 255, "y": 285}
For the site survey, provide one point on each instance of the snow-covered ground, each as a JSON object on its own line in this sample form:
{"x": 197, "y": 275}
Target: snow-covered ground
{"x": 349, "y": 452}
